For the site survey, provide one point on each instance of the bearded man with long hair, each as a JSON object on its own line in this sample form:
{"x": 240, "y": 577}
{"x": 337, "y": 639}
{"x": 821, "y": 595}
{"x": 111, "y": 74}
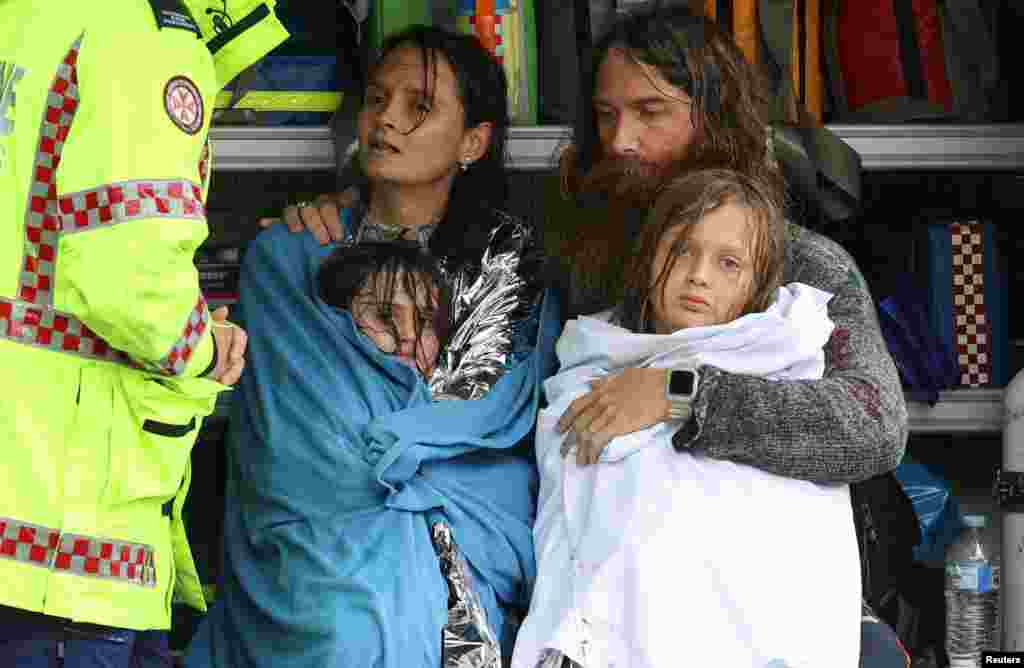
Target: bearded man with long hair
{"x": 671, "y": 93}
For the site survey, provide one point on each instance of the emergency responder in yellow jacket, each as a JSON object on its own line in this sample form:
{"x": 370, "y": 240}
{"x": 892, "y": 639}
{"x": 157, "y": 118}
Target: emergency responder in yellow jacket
{"x": 106, "y": 345}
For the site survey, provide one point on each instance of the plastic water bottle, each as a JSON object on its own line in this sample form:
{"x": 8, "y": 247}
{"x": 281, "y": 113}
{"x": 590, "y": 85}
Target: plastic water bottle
{"x": 972, "y": 594}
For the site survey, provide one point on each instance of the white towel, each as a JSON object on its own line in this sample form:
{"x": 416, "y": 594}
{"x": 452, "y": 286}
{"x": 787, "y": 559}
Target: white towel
{"x": 656, "y": 558}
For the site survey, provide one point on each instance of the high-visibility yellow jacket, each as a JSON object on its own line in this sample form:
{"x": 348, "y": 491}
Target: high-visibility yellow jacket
{"x": 104, "y": 336}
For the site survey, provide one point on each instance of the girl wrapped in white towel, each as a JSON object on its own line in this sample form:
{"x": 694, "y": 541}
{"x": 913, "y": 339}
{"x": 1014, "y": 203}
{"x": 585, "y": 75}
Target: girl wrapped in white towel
{"x": 653, "y": 558}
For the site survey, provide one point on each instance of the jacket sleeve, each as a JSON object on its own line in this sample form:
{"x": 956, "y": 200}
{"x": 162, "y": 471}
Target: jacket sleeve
{"x": 237, "y": 32}
{"x": 846, "y": 427}
{"x": 129, "y": 193}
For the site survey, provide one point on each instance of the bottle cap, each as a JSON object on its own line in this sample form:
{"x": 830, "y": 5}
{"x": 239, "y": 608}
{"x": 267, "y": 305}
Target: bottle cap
{"x": 975, "y": 521}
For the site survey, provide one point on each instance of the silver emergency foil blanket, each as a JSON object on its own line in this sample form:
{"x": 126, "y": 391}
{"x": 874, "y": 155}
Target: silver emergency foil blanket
{"x": 467, "y": 640}
{"x": 486, "y": 304}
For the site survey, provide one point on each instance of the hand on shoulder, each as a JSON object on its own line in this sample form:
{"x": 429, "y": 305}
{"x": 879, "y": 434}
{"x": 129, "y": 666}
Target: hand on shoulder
{"x": 322, "y": 216}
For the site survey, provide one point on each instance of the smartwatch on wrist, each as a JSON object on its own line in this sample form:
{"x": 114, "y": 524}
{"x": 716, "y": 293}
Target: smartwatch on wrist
{"x": 680, "y": 390}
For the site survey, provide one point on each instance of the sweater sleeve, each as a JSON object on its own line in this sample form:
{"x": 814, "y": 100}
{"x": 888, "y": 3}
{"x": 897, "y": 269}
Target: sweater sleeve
{"x": 848, "y": 426}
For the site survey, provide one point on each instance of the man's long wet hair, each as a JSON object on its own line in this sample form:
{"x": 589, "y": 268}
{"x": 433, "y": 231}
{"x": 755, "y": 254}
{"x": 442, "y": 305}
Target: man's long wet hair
{"x": 729, "y": 96}
{"x": 682, "y": 204}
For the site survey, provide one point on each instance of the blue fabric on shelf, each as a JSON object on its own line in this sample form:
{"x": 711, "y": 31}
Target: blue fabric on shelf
{"x": 924, "y": 358}
{"x": 338, "y": 460}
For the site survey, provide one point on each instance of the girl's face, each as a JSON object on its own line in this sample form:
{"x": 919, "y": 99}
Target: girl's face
{"x": 412, "y": 127}
{"x": 712, "y": 278}
{"x": 398, "y": 324}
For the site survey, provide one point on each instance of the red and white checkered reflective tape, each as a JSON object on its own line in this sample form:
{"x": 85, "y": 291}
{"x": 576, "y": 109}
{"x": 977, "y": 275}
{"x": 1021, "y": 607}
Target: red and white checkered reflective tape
{"x": 972, "y": 329}
{"x": 45, "y": 327}
{"x": 174, "y": 363}
{"x": 77, "y": 554}
{"x": 123, "y": 202}
{"x": 31, "y": 318}
{"x": 41, "y": 224}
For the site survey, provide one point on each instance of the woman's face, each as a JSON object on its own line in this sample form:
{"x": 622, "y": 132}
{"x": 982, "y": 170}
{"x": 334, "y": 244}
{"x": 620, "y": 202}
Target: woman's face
{"x": 392, "y": 321}
{"x": 712, "y": 279}
{"x": 399, "y": 98}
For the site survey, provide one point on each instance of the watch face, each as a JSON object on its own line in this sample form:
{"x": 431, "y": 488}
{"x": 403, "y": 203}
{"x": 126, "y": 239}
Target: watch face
{"x": 680, "y": 382}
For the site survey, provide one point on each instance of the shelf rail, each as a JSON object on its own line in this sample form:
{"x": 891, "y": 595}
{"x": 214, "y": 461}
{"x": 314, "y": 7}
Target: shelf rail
{"x": 881, "y": 147}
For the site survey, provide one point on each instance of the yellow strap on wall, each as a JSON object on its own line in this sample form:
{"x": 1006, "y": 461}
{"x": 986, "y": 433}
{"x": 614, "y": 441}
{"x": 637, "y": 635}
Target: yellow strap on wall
{"x": 814, "y": 77}
{"x": 295, "y": 100}
{"x": 745, "y": 28}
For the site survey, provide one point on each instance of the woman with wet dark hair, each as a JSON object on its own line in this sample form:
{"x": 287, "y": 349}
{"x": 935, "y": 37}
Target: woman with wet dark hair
{"x": 378, "y": 507}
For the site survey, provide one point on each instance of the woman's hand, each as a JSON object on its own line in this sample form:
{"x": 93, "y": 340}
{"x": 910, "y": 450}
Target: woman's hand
{"x": 322, "y": 216}
{"x": 627, "y": 402}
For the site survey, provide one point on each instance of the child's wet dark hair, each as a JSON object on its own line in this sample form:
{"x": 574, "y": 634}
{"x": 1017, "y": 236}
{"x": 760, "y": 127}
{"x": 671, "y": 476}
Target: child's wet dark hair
{"x": 383, "y": 269}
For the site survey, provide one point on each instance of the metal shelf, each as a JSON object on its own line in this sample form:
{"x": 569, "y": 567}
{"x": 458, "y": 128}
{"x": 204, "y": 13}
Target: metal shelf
{"x": 958, "y": 411}
{"x": 239, "y": 149}
{"x": 312, "y": 148}
{"x": 882, "y": 147}
{"x": 945, "y": 147}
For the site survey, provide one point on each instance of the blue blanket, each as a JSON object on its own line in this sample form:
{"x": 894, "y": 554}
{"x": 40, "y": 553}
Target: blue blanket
{"x": 338, "y": 461}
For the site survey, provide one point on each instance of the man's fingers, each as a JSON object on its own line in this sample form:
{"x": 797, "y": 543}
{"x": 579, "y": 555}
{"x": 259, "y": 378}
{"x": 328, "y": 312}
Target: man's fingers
{"x": 231, "y": 376}
{"x": 232, "y": 341}
{"x": 582, "y": 452}
{"x": 238, "y": 343}
{"x": 567, "y": 443}
{"x": 597, "y": 412}
{"x": 601, "y": 441}
{"x": 222, "y": 341}
{"x": 572, "y": 413}
{"x": 582, "y": 404}
{"x": 595, "y": 436}
{"x": 588, "y": 453}
{"x": 267, "y": 222}
{"x": 600, "y": 426}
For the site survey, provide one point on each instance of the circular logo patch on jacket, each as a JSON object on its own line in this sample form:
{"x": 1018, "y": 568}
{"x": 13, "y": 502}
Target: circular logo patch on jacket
{"x": 184, "y": 104}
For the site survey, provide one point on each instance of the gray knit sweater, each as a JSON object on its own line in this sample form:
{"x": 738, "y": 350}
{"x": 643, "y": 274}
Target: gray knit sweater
{"x": 848, "y": 426}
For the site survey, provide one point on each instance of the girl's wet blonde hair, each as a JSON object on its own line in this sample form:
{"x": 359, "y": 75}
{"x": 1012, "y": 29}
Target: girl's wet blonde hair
{"x": 683, "y": 203}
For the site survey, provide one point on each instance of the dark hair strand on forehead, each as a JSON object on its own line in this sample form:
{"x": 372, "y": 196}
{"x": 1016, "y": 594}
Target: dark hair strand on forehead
{"x": 482, "y": 89}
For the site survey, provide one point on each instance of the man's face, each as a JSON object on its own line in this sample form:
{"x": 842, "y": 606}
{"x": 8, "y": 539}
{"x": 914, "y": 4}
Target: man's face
{"x": 640, "y": 116}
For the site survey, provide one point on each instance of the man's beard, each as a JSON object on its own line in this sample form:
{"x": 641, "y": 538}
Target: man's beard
{"x": 627, "y": 188}
{"x": 613, "y": 199}
{"x": 626, "y": 183}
